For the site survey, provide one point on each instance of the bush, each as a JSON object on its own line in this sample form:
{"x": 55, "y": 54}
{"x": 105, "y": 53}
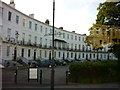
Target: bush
{"x": 97, "y": 72}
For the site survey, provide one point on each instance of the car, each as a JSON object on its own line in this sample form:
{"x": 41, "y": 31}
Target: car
{"x": 60, "y": 62}
{"x": 45, "y": 63}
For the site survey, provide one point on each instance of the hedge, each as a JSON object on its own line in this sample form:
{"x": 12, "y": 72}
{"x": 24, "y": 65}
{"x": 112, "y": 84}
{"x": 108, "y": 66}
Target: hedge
{"x": 94, "y": 72}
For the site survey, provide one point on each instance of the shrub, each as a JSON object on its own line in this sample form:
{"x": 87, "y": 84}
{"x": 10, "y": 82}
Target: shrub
{"x": 97, "y": 72}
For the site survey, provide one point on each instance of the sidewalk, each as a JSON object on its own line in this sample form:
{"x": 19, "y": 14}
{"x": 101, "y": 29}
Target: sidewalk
{"x": 106, "y": 85}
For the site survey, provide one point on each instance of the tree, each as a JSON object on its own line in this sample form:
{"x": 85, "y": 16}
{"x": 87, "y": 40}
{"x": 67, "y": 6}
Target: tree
{"x": 109, "y": 13}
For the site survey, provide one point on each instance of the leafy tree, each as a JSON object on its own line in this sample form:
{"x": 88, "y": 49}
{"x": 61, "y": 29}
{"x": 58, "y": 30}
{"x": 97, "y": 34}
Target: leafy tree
{"x": 109, "y": 13}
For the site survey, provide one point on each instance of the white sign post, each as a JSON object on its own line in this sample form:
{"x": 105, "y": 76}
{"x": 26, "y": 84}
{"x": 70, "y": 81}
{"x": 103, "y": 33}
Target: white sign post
{"x": 33, "y": 74}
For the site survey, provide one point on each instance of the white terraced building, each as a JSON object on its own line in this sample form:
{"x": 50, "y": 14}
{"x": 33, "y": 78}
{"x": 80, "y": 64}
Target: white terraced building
{"x": 33, "y": 40}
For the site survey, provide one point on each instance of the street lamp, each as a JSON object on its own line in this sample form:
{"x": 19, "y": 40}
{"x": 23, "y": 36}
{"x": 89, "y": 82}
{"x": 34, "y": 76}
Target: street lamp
{"x": 52, "y": 67}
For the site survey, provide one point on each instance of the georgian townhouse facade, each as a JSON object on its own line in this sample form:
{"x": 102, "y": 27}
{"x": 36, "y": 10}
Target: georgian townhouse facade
{"x": 23, "y": 36}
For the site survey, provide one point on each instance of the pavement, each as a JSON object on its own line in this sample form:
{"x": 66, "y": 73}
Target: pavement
{"x": 59, "y": 84}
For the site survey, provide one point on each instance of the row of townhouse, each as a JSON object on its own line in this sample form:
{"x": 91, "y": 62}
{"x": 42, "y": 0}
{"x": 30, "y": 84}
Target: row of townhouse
{"x": 23, "y": 36}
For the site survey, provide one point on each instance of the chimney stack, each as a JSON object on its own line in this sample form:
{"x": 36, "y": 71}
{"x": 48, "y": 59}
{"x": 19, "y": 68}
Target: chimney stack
{"x": 47, "y": 21}
{"x": 73, "y": 31}
{"x": 61, "y": 28}
{"x": 31, "y": 15}
{"x": 12, "y": 4}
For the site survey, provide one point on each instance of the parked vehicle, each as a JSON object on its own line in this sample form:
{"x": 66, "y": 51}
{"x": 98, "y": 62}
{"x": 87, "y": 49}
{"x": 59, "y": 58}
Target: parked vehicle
{"x": 60, "y": 62}
{"x": 45, "y": 63}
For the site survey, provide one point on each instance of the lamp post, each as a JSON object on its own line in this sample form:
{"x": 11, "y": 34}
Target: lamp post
{"x": 52, "y": 67}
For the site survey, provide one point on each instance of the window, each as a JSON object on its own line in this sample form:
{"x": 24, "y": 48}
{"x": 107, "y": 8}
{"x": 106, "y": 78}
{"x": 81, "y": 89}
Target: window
{"x": 22, "y": 52}
{"x": 8, "y": 50}
{"x": 40, "y": 53}
{"x": 24, "y": 21}
{"x": 40, "y": 41}
{"x": 68, "y": 55}
{"x": 41, "y": 27}
{"x": 30, "y": 25}
{"x": 71, "y": 36}
{"x": 71, "y": 55}
{"x": 29, "y": 38}
{"x": 45, "y": 42}
{"x": 51, "y": 31}
{"x": 71, "y": 45}
{"x": 55, "y": 54}
{"x": 83, "y": 55}
{"x": 75, "y": 37}
{"x": 17, "y": 19}
{"x": 8, "y": 33}
{"x": 59, "y": 54}
{"x": 46, "y": 31}
{"x": 0, "y": 50}
{"x": 83, "y": 39}
{"x": 45, "y": 54}
{"x": 23, "y": 38}
{"x": 36, "y": 27}
{"x": 75, "y": 46}
{"x": 79, "y": 39}
{"x": 67, "y": 36}
{"x": 79, "y": 46}
{"x": 63, "y": 35}
{"x": 0, "y": 11}
{"x": 79, "y": 55}
{"x": 28, "y": 52}
{"x": 9, "y": 16}
{"x": 35, "y": 39}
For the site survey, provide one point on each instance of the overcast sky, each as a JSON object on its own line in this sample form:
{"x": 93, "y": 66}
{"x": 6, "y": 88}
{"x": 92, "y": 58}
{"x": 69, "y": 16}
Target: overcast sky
{"x": 72, "y": 15}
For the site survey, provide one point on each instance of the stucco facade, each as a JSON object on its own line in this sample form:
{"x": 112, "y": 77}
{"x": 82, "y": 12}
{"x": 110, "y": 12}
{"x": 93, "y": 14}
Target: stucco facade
{"x": 35, "y": 40}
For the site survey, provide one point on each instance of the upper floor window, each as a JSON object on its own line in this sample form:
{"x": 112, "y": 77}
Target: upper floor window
{"x": 75, "y": 37}
{"x": 71, "y": 36}
{"x": 63, "y": 35}
{"x": 8, "y": 50}
{"x": 30, "y": 24}
{"x": 0, "y": 11}
{"x": 40, "y": 40}
{"x": 8, "y": 33}
{"x": 79, "y": 38}
{"x": 17, "y": 19}
{"x": 9, "y": 15}
{"x": 75, "y": 46}
{"x": 83, "y": 39}
{"x": 41, "y": 27}
{"x": 67, "y": 36}
{"x": 36, "y": 27}
{"x": 35, "y": 39}
{"x": 29, "y": 38}
{"x": 51, "y": 31}
{"x": 45, "y": 30}
{"x": 24, "y": 21}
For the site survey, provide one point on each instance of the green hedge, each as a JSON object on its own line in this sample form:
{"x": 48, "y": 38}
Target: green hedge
{"x": 94, "y": 72}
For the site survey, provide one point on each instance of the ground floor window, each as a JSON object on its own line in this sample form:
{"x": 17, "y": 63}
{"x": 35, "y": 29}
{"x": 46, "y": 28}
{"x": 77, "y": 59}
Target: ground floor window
{"x": 8, "y": 50}
{"x": 22, "y": 52}
{"x": 28, "y": 52}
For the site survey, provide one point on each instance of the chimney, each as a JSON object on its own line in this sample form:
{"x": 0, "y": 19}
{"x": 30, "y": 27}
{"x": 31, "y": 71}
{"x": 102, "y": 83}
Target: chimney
{"x": 61, "y": 28}
{"x": 73, "y": 31}
{"x": 31, "y": 15}
{"x": 12, "y": 4}
{"x": 47, "y": 21}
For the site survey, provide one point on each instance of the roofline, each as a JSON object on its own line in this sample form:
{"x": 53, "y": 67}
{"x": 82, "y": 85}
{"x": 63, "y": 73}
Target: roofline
{"x": 40, "y": 21}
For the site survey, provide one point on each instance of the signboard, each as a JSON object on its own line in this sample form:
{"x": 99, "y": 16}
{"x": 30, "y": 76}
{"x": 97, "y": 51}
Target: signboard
{"x": 33, "y": 73}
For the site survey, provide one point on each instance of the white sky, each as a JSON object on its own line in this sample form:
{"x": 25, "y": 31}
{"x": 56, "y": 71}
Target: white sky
{"x": 72, "y": 15}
